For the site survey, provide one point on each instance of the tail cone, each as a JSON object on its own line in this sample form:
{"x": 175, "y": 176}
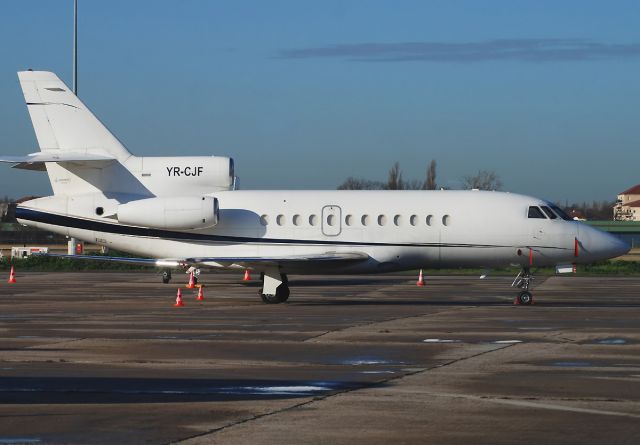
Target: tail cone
{"x": 12, "y": 276}
{"x": 420, "y": 279}
{"x": 247, "y": 276}
{"x": 179, "y": 299}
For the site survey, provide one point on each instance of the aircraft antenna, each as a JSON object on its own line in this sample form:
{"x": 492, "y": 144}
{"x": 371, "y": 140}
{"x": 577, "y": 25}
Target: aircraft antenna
{"x": 75, "y": 47}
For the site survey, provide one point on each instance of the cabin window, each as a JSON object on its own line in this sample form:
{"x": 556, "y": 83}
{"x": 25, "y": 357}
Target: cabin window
{"x": 429, "y": 220}
{"x": 413, "y": 220}
{"x": 348, "y": 220}
{"x": 548, "y": 212}
{"x": 382, "y": 220}
{"x": 331, "y": 220}
{"x": 264, "y": 220}
{"x": 397, "y": 220}
{"x": 446, "y": 220}
{"x": 535, "y": 212}
{"x": 280, "y": 220}
{"x": 296, "y": 220}
{"x": 313, "y": 220}
{"x": 365, "y": 220}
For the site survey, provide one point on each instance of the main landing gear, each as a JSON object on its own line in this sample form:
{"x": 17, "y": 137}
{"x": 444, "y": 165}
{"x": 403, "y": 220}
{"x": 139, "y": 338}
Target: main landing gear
{"x": 275, "y": 287}
{"x": 523, "y": 281}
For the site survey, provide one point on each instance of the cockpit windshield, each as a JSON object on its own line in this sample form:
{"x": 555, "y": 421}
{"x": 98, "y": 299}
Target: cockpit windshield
{"x": 535, "y": 212}
{"x": 548, "y": 212}
{"x": 560, "y": 212}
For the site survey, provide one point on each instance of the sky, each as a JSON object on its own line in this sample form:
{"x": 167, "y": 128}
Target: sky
{"x": 305, "y": 94}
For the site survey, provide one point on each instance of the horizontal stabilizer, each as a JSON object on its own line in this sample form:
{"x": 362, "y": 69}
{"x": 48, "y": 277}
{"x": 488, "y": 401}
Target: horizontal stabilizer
{"x": 35, "y": 161}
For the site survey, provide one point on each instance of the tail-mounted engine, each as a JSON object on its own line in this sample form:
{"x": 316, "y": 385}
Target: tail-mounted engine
{"x": 187, "y": 212}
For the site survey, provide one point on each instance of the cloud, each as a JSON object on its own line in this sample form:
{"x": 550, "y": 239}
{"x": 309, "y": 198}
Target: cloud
{"x": 529, "y": 50}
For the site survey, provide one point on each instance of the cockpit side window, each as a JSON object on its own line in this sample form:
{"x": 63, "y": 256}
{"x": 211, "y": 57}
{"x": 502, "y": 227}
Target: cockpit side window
{"x": 560, "y": 212}
{"x": 535, "y": 212}
{"x": 548, "y": 212}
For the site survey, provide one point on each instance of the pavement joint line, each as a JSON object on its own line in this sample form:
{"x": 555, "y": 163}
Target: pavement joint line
{"x": 337, "y": 393}
{"x": 56, "y": 343}
{"x": 531, "y": 404}
{"x": 371, "y": 323}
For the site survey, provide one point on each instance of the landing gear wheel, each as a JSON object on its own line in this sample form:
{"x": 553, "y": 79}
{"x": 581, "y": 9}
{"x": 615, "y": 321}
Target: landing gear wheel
{"x": 166, "y": 276}
{"x": 524, "y": 297}
{"x": 282, "y": 293}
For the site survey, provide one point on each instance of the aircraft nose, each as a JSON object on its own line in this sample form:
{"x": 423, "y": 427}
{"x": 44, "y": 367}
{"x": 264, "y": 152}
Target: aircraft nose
{"x": 599, "y": 245}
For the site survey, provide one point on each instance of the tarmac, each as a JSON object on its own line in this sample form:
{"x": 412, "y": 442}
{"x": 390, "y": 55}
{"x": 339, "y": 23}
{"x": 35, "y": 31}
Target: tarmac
{"x": 105, "y": 358}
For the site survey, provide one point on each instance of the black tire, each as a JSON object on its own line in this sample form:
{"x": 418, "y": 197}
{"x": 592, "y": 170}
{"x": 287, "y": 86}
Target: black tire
{"x": 525, "y": 297}
{"x": 282, "y": 295}
{"x": 166, "y": 277}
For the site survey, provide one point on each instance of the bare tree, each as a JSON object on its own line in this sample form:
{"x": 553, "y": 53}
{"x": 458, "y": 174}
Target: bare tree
{"x": 430, "y": 182}
{"x": 484, "y": 180}
{"x": 352, "y": 183}
{"x": 394, "y": 181}
{"x": 414, "y": 184}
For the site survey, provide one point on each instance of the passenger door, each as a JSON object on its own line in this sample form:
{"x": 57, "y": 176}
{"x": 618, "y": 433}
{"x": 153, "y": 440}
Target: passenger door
{"x": 331, "y": 220}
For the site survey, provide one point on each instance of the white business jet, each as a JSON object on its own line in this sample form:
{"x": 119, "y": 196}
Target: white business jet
{"x": 184, "y": 212}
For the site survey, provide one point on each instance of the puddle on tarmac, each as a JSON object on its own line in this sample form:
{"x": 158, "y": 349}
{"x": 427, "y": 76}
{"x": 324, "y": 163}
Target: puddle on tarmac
{"x": 254, "y": 388}
{"x": 506, "y": 342}
{"x": 294, "y": 390}
{"x": 610, "y": 341}
{"x": 440, "y": 340}
{"x": 533, "y": 328}
{"x": 377, "y": 372}
{"x": 361, "y": 361}
{"x": 19, "y": 440}
{"x": 573, "y": 364}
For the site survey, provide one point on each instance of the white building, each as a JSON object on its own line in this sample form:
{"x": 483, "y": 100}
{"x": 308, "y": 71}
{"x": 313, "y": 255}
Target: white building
{"x": 627, "y": 206}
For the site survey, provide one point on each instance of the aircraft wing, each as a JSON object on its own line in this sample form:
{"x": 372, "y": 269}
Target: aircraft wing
{"x": 257, "y": 261}
{"x": 35, "y": 161}
{"x": 223, "y": 261}
{"x": 125, "y": 260}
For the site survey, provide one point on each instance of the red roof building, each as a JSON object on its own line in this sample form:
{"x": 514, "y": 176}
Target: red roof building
{"x": 627, "y": 206}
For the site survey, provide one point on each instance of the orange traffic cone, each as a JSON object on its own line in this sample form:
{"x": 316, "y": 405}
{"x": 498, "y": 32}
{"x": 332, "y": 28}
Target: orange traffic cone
{"x": 420, "y": 279}
{"x": 247, "y": 277}
{"x": 200, "y": 296}
{"x": 12, "y": 276}
{"x": 179, "y": 299}
{"x": 192, "y": 281}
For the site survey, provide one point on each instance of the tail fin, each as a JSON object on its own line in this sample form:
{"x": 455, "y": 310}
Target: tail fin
{"x": 66, "y": 129}
{"x": 61, "y": 121}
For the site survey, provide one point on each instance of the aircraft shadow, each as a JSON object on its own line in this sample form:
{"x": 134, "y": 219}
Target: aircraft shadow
{"x": 320, "y": 282}
{"x": 108, "y": 390}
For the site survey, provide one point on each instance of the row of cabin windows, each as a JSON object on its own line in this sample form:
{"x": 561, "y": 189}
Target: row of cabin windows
{"x": 351, "y": 220}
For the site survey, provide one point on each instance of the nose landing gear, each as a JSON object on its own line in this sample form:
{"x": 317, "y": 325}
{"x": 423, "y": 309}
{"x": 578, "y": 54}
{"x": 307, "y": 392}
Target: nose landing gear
{"x": 166, "y": 276}
{"x": 523, "y": 281}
